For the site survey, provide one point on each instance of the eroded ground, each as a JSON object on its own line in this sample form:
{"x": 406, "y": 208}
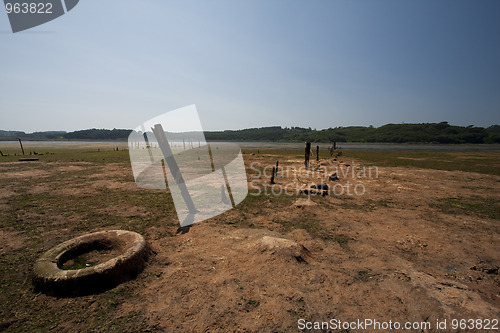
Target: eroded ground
{"x": 418, "y": 245}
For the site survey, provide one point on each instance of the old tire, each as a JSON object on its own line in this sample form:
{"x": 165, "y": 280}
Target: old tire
{"x": 50, "y": 278}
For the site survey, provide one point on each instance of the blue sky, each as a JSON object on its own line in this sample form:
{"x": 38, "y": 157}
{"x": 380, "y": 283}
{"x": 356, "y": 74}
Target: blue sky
{"x": 319, "y": 64}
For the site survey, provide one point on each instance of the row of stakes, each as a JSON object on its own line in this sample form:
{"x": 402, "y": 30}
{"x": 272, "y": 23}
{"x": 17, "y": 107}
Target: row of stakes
{"x": 307, "y": 154}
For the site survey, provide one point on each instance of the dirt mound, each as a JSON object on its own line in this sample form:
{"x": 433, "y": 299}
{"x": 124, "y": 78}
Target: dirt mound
{"x": 283, "y": 248}
{"x": 299, "y": 203}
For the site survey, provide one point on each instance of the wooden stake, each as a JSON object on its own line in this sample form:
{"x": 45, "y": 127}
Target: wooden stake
{"x": 223, "y": 196}
{"x": 306, "y": 155}
{"x": 317, "y": 153}
{"x": 277, "y": 163}
{"x": 20, "y": 142}
{"x": 174, "y": 168}
{"x": 272, "y": 176}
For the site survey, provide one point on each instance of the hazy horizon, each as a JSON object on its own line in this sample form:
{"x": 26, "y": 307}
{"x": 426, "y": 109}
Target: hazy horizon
{"x": 238, "y": 129}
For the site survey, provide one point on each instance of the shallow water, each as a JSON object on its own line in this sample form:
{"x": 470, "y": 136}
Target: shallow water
{"x": 256, "y": 145}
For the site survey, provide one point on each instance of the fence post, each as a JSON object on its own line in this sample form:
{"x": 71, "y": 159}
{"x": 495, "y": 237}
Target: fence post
{"x": 307, "y": 153}
{"x": 20, "y": 142}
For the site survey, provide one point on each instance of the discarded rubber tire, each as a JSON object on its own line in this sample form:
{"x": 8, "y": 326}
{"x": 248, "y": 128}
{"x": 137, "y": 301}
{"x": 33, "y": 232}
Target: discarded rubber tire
{"x": 50, "y": 278}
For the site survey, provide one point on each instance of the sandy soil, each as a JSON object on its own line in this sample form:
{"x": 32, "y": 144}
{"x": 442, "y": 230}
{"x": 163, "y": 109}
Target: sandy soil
{"x": 388, "y": 254}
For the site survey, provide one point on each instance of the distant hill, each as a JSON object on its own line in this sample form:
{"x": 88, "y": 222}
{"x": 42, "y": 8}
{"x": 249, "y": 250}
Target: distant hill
{"x": 391, "y": 133}
{"x": 49, "y": 135}
{"x": 98, "y": 134}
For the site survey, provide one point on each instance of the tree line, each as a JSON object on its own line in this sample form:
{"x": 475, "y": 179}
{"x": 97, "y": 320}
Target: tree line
{"x": 442, "y": 133}
{"x": 392, "y": 133}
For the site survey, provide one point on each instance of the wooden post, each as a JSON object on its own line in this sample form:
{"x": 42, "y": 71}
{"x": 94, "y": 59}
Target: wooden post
{"x": 20, "y": 142}
{"x": 317, "y": 153}
{"x": 184, "y": 143}
{"x": 307, "y": 153}
{"x": 334, "y": 145}
{"x": 174, "y": 168}
{"x": 272, "y": 176}
{"x": 223, "y": 196}
{"x": 277, "y": 163}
